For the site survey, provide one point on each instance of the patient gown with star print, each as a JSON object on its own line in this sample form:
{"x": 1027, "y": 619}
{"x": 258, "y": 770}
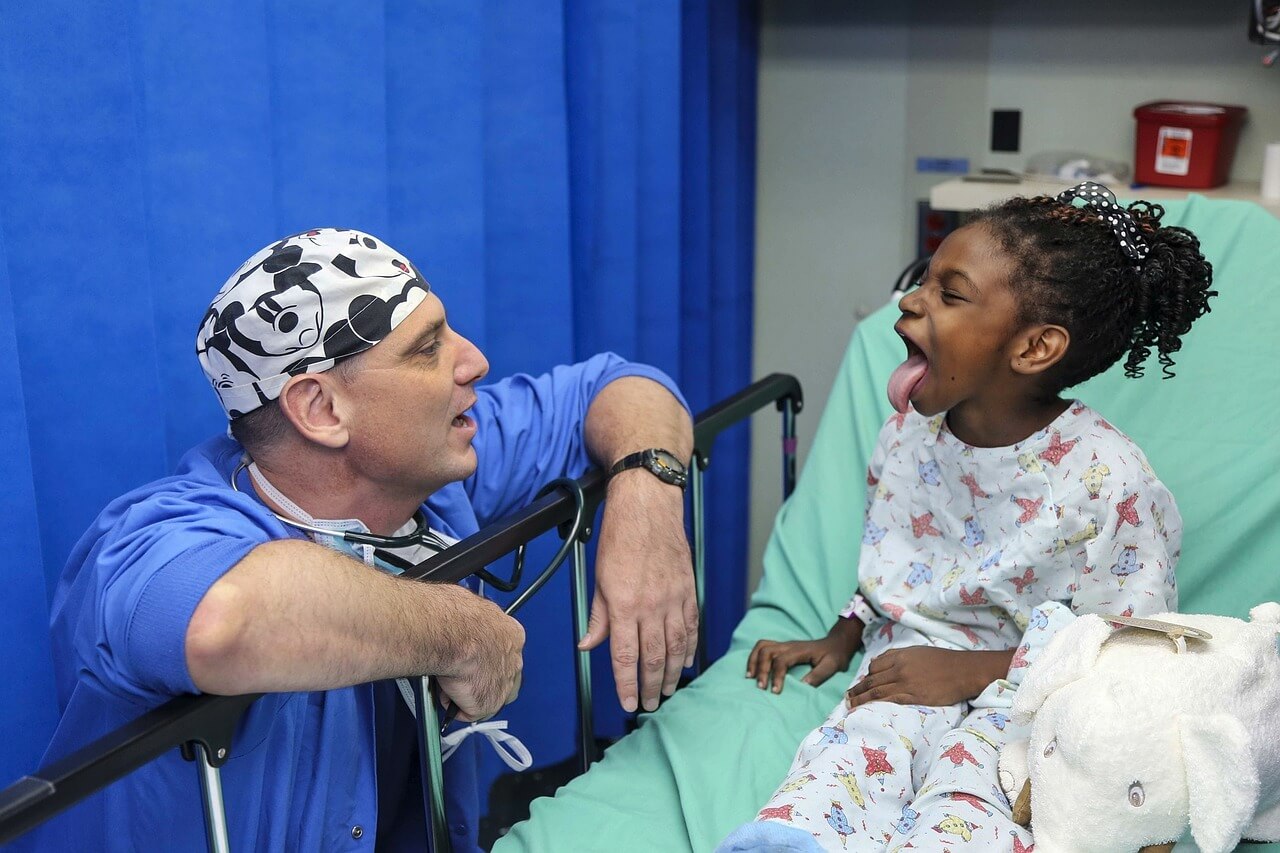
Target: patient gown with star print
{"x": 974, "y": 548}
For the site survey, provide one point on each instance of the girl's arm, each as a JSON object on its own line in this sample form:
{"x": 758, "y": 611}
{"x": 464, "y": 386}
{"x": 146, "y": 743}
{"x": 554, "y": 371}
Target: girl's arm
{"x": 924, "y": 675}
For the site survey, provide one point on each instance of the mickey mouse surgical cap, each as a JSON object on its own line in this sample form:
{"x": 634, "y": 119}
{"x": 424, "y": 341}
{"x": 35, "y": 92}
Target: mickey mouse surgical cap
{"x": 299, "y": 305}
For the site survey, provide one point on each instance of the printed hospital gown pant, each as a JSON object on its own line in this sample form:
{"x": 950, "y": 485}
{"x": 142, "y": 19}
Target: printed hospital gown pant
{"x": 886, "y": 776}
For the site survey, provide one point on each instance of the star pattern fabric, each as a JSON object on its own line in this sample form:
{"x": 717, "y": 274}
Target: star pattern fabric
{"x": 971, "y": 537}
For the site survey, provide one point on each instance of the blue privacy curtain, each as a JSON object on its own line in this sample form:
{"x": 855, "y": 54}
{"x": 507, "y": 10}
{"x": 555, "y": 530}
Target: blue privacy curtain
{"x": 570, "y": 176}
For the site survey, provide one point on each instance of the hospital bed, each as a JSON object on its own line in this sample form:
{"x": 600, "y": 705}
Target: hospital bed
{"x": 204, "y": 727}
{"x": 712, "y": 754}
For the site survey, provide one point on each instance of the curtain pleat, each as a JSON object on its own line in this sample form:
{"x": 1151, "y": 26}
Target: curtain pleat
{"x": 26, "y": 690}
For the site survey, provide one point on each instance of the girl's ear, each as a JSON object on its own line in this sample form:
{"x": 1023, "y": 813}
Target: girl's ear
{"x": 1038, "y": 348}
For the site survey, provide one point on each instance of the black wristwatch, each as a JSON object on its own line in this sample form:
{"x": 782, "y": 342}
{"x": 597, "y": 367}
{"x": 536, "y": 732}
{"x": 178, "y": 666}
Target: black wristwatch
{"x": 663, "y": 464}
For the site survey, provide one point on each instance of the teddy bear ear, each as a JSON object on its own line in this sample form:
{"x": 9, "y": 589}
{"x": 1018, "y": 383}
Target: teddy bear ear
{"x": 1268, "y": 612}
{"x": 1068, "y": 657}
{"x": 1222, "y": 782}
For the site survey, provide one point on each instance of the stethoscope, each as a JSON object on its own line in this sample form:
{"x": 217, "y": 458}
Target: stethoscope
{"x": 423, "y": 536}
{"x": 420, "y": 537}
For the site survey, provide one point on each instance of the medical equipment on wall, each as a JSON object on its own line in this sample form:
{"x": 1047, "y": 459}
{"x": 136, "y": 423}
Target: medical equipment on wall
{"x": 1264, "y": 28}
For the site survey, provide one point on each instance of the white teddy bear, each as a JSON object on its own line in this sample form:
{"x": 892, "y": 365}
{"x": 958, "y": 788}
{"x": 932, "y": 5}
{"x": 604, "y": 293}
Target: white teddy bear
{"x": 1143, "y": 728}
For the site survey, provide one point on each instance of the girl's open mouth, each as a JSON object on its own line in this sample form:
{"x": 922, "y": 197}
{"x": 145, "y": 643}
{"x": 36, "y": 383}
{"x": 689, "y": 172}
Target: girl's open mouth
{"x": 908, "y": 376}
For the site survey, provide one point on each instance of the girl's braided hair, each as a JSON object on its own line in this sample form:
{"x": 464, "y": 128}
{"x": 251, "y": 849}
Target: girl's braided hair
{"x": 1070, "y": 271}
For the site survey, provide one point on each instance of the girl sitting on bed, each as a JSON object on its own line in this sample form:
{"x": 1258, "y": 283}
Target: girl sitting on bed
{"x": 996, "y": 510}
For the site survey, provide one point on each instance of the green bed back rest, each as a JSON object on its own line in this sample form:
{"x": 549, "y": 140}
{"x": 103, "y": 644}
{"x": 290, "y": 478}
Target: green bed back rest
{"x": 713, "y": 753}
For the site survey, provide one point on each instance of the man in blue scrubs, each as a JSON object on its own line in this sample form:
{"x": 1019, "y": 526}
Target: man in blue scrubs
{"x": 354, "y": 407}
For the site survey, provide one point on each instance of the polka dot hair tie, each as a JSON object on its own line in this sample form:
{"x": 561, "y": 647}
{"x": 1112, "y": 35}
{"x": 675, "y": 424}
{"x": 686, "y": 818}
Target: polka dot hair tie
{"x": 1121, "y": 221}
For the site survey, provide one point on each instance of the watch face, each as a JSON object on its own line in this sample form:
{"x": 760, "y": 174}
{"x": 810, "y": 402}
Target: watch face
{"x": 667, "y": 467}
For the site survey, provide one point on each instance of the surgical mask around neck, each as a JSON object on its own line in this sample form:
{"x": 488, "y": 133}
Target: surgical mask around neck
{"x": 335, "y": 541}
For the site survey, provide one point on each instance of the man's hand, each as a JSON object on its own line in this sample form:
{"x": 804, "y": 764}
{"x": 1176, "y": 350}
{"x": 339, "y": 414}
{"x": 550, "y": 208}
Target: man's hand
{"x": 769, "y": 660}
{"x": 645, "y": 598}
{"x": 488, "y": 678}
{"x": 923, "y": 675}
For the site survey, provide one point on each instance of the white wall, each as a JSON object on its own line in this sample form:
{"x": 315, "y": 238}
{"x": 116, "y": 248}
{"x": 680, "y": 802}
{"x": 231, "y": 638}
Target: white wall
{"x": 830, "y": 203}
{"x": 852, "y": 92}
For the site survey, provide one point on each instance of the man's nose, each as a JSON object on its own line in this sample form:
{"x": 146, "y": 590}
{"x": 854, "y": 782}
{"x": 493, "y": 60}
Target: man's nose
{"x": 471, "y": 365}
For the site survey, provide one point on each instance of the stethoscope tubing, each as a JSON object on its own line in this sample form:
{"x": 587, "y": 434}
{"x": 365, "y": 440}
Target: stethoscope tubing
{"x": 421, "y": 536}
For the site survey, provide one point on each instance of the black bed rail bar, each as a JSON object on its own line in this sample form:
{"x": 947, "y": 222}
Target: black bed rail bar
{"x": 192, "y": 722}
{"x": 781, "y": 389}
{"x": 203, "y": 726}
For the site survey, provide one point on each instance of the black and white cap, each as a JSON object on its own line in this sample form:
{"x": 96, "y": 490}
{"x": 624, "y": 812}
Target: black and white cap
{"x": 298, "y": 306}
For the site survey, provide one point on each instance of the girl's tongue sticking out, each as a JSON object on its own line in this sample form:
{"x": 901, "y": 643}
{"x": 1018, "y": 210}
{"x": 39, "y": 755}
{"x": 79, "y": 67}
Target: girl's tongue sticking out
{"x": 905, "y": 380}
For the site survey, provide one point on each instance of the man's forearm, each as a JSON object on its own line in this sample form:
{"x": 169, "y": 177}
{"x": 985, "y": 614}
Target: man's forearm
{"x": 634, "y": 413}
{"x": 644, "y": 597}
{"x": 294, "y": 615}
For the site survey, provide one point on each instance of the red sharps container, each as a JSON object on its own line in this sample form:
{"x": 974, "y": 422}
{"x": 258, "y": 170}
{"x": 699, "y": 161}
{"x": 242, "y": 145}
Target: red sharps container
{"x": 1186, "y": 143}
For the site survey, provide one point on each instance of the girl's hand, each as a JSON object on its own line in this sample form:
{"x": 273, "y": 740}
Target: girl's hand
{"x": 923, "y": 675}
{"x": 769, "y": 660}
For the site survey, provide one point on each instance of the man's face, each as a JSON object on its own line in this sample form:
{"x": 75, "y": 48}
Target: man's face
{"x": 406, "y": 398}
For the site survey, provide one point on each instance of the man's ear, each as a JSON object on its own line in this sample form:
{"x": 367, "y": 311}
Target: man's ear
{"x": 1038, "y": 348}
{"x": 313, "y": 404}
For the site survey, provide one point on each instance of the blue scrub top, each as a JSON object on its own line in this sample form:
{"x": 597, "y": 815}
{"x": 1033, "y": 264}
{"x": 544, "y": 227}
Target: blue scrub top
{"x": 303, "y": 772}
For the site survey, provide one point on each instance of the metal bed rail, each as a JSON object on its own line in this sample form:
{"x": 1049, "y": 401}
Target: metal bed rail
{"x": 203, "y": 726}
